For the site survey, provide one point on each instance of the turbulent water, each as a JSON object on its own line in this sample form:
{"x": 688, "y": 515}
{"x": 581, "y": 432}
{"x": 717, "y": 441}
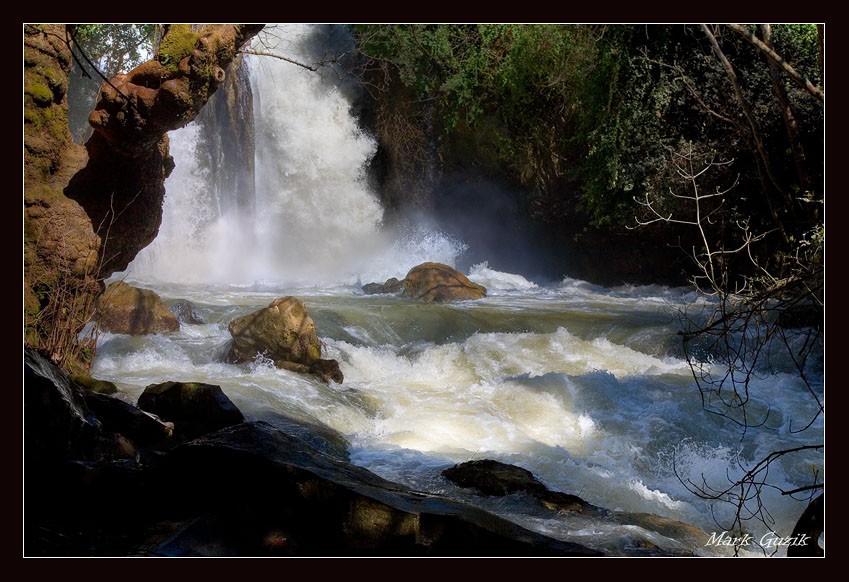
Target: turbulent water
{"x": 584, "y": 386}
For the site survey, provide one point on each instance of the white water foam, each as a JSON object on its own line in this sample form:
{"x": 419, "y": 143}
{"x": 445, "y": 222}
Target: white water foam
{"x": 316, "y": 220}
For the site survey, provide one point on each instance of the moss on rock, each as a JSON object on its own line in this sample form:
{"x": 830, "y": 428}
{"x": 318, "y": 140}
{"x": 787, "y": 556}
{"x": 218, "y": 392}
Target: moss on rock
{"x": 177, "y": 45}
{"x": 93, "y": 384}
{"x": 41, "y": 94}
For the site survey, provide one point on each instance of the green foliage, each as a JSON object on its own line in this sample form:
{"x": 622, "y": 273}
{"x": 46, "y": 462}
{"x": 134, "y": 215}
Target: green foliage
{"x": 112, "y": 48}
{"x": 601, "y": 106}
{"x": 116, "y": 47}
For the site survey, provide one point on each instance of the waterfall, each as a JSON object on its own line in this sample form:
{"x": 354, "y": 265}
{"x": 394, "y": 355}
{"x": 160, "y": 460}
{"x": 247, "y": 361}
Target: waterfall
{"x": 313, "y": 218}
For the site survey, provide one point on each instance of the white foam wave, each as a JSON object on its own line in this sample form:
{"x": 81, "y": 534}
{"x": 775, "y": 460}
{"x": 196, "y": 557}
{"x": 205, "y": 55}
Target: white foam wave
{"x": 497, "y": 280}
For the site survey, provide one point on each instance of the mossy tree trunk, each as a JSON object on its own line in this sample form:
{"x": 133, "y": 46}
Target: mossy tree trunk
{"x": 89, "y": 210}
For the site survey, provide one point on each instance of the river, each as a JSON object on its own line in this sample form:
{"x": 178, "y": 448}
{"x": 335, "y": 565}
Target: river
{"x": 584, "y": 386}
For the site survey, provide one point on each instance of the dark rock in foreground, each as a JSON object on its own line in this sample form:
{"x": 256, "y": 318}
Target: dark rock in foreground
{"x": 142, "y": 428}
{"x": 194, "y": 408}
{"x": 315, "y": 434}
{"x": 57, "y": 422}
{"x": 125, "y": 309}
{"x": 285, "y": 498}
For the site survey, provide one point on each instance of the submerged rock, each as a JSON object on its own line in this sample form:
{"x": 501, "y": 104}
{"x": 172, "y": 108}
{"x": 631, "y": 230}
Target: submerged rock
{"x": 392, "y": 285}
{"x": 125, "y": 309}
{"x": 495, "y": 478}
{"x": 285, "y": 333}
{"x": 498, "y": 479}
{"x": 194, "y": 408}
{"x": 187, "y": 312}
{"x": 437, "y": 283}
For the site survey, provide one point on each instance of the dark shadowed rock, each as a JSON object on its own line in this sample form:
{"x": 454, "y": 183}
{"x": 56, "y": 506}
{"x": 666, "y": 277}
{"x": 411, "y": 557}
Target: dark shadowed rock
{"x": 317, "y": 505}
{"x": 314, "y": 433}
{"x": 437, "y": 283}
{"x": 186, "y": 312}
{"x": 143, "y": 428}
{"x": 57, "y": 422}
{"x": 808, "y": 530}
{"x": 126, "y": 309}
{"x": 495, "y": 478}
{"x": 193, "y": 407}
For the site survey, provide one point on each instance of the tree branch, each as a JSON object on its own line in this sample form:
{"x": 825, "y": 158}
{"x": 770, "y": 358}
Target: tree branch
{"x": 803, "y": 82}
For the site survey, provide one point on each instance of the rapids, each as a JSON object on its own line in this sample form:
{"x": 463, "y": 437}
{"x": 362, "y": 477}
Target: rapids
{"x": 584, "y": 386}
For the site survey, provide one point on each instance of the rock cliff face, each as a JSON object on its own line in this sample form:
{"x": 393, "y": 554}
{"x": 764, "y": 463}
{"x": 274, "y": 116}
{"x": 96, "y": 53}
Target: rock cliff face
{"x": 60, "y": 245}
{"x": 88, "y": 211}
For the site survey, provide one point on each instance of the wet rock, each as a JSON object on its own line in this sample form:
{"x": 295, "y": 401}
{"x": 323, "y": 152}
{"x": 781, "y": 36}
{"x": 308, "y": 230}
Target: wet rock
{"x": 187, "y": 312}
{"x": 92, "y": 384}
{"x": 57, "y": 422}
{"x": 373, "y": 289}
{"x": 142, "y": 428}
{"x": 312, "y": 432}
{"x": 679, "y": 537}
{"x": 327, "y": 370}
{"x": 125, "y": 309}
{"x": 392, "y": 285}
{"x": 671, "y": 537}
{"x": 194, "y": 408}
{"x": 282, "y": 331}
{"x": 494, "y": 478}
{"x": 318, "y": 505}
{"x": 437, "y": 283}
{"x": 285, "y": 333}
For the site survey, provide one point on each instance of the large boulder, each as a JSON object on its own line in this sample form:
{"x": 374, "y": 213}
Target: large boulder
{"x": 126, "y": 309}
{"x": 194, "y": 408}
{"x": 311, "y": 504}
{"x": 436, "y": 283}
{"x": 285, "y": 333}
